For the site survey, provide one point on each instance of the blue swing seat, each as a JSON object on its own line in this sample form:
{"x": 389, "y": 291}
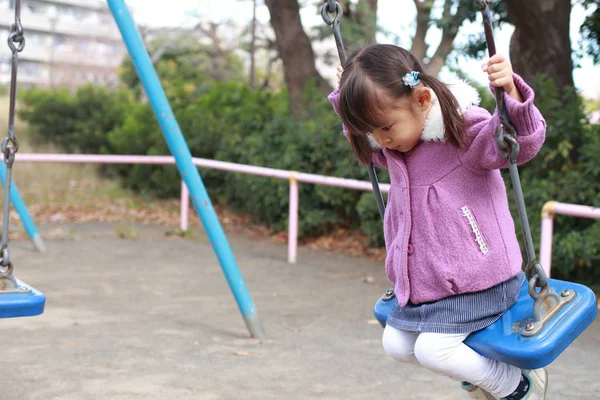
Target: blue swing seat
{"x": 504, "y": 340}
{"x": 27, "y": 303}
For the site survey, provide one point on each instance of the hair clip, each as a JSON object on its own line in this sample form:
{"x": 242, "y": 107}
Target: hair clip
{"x": 411, "y": 79}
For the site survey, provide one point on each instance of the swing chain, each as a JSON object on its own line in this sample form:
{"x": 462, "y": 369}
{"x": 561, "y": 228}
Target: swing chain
{"x": 333, "y": 7}
{"x": 10, "y": 144}
{"x": 508, "y": 146}
{"x": 546, "y": 302}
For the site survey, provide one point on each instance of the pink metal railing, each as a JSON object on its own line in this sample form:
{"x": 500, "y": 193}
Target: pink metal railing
{"x": 292, "y": 177}
{"x": 548, "y": 211}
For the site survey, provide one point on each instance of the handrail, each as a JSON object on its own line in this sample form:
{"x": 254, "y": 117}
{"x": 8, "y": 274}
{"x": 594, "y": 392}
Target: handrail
{"x": 294, "y": 178}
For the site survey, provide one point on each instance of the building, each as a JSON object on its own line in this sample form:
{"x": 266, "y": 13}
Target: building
{"x": 67, "y": 43}
{"x": 73, "y": 42}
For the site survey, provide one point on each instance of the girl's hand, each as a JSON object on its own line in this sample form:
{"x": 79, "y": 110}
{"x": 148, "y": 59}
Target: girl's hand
{"x": 340, "y": 70}
{"x": 500, "y": 74}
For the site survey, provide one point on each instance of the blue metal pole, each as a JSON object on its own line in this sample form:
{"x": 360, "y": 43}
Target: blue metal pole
{"x": 21, "y": 208}
{"x": 183, "y": 159}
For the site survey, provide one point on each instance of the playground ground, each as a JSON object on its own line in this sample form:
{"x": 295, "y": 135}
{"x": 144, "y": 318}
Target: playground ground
{"x": 153, "y": 318}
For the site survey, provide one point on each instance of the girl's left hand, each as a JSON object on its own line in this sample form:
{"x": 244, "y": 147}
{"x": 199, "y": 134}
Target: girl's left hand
{"x": 500, "y": 74}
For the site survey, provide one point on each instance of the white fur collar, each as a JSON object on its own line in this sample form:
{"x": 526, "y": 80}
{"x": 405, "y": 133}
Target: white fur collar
{"x": 466, "y": 95}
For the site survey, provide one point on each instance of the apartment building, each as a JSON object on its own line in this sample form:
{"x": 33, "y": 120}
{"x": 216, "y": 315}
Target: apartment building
{"x": 67, "y": 43}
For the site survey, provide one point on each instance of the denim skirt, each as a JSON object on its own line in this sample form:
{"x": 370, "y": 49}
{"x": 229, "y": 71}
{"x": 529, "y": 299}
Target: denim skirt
{"x": 462, "y": 313}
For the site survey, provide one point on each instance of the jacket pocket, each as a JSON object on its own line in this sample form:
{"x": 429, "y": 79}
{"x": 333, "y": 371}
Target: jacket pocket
{"x": 478, "y": 236}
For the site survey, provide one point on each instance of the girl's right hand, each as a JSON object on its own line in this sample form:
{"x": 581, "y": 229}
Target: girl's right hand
{"x": 340, "y": 70}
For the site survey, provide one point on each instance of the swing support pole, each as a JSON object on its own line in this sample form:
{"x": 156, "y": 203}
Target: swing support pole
{"x": 183, "y": 159}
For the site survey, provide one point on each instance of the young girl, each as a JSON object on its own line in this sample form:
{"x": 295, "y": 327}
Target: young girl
{"x": 452, "y": 252}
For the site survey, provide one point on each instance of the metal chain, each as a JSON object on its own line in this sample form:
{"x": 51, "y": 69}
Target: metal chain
{"x": 509, "y": 148}
{"x": 10, "y": 145}
{"x": 333, "y": 7}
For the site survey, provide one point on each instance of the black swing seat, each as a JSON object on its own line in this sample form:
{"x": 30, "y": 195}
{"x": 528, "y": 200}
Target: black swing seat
{"x": 517, "y": 338}
{"x": 18, "y": 299}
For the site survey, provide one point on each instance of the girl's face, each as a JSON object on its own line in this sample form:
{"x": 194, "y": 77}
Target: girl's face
{"x": 405, "y": 120}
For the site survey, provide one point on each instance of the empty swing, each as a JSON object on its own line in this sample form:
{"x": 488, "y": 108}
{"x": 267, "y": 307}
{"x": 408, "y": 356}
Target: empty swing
{"x": 17, "y": 299}
{"x": 549, "y": 314}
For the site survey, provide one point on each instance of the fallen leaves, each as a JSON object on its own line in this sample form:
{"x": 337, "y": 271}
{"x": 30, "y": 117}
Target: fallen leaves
{"x": 93, "y": 199}
{"x": 242, "y": 353}
{"x": 346, "y": 241}
{"x": 368, "y": 279}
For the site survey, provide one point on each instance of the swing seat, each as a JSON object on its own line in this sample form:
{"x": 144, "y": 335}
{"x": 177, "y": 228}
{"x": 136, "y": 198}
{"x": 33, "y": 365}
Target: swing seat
{"x": 504, "y": 340}
{"x": 25, "y": 301}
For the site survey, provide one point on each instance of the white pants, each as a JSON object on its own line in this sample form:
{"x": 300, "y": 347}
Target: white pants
{"x": 446, "y": 354}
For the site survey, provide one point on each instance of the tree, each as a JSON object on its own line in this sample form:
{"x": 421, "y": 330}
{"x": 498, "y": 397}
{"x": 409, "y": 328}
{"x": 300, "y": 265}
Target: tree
{"x": 590, "y": 30}
{"x": 454, "y": 14}
{"x": 359, "y": 27}
{"x": 257, "y": 40}
{"x": 541, "y": 43}
{"x": 359, "y": 23}
{"x": 253, "y": 47}
{"x": 186, "y": 59}
{"x": 295, "y": 50}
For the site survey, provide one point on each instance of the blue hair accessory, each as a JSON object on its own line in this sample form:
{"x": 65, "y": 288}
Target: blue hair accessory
{"x": 411, "y": 79}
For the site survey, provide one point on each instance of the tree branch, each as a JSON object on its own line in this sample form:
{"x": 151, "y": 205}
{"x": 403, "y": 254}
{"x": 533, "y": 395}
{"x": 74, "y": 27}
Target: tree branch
{"x": 451, "y": 25}
{"x": 419, "y": 46}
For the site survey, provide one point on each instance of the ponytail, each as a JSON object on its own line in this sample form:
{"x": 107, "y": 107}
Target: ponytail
{"x": 454, "y": 122}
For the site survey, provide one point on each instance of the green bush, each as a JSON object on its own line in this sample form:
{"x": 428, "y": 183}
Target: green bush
{"x": 567, "y": 169}
{"x": 230, "y": 122}
{"x": 77, "y": 122}
{"x": 224, "y": 110}
{"x": 140, "y": 134}
{"x": 313, "y": 146}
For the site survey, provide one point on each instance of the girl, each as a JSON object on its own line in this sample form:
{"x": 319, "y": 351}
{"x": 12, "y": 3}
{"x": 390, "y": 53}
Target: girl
{"x": 452, "y": 251}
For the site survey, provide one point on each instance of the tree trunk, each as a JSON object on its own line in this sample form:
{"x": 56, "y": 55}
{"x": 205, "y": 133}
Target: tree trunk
{"x": 294, "y": 48}
{"x": 372, "y": 21}
{"x": 451, "y": 24}
{"x": 419, "y": 46}
{"x": 439, "y": 58}
{"x": 359, "y": 24}
{"x": 541, "y": 41}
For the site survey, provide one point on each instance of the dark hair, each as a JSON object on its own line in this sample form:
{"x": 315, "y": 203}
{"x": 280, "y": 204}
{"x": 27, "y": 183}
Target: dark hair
{"x": 375, "y": 72}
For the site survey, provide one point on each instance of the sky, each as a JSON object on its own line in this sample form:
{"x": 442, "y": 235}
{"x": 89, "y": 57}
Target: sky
{"x": 394, "y": 16}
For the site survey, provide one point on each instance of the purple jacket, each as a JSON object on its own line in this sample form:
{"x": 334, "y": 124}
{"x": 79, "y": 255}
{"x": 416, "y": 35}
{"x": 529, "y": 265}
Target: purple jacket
{"x": 447, "y": 226}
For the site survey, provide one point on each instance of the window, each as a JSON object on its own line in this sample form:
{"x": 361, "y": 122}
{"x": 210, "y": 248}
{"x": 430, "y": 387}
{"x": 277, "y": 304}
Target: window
{"x": 33, "y": 8}
{"x": 52, "y": 12}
